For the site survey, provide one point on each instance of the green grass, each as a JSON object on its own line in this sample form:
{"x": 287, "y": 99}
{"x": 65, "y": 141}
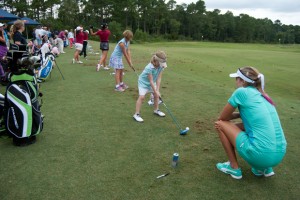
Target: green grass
{"x": 91, "y": 148}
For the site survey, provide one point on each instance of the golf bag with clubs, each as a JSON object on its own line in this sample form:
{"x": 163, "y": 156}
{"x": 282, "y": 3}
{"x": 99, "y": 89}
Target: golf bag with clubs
{"x": 46, "y": 67}
{"x": 46, "y": 59}
{"x": 22, "y": 116}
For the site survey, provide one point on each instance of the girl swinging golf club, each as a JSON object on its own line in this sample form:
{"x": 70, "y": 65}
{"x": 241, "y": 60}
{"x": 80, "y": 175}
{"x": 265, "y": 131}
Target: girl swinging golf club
{"x": 149, "y": 81}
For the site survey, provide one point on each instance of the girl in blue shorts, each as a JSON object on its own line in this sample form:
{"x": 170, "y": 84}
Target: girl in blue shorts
{"x": 259, "y": 139}
{"x": 115, "y": 61}
{"x": 149, "y": 82}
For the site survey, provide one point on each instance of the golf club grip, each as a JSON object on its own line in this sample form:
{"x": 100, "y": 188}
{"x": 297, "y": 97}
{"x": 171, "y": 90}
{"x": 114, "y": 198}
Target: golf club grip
{"x": 161, "y": 99}
{"x": 133, "y": 68}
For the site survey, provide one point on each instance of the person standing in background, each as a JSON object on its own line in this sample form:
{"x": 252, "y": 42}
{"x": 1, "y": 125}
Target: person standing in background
{"x": 38, "y": 36}
{"x": 6, "y": 35}
{"x": 78, "y": 44}
{"x": 103, "y": 34}
{"x": 71, "y": 38}
{"x": 3, "y": 49}
{"x": 85, "y": 42}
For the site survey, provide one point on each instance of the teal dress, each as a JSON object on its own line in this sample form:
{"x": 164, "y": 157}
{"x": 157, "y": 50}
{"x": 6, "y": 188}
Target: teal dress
{"x": 263, "y": 143}
{"x": 115, "y": 60}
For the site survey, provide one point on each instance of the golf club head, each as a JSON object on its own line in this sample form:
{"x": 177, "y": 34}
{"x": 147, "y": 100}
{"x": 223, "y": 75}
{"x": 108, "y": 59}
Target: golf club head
{"x": 183, "y": 132}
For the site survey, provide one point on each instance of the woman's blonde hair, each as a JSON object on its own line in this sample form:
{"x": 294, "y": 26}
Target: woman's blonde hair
{"x": 16, "y": 26}
{"x": 253, "y": 74}
{"x": 128, "y": 34}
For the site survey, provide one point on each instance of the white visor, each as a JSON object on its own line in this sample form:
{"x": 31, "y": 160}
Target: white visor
{"x": 163, "y": 64}
{"x": 242, "y": 76}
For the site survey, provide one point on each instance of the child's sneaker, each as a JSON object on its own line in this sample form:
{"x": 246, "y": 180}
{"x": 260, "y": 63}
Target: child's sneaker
{"x": 227, "y": 169}
{"x": 98, "y": 67}
{"x": 124, "y": 86}
{"x": 159, "y": 113}
{"x": 138, "y": 118}
{"x": 79, "y": 62}
{"x": 150, "y": 102}
{"x": 119, "y": 89}
{"x": 106, "y": 68}
{"x": 73, "y": 61}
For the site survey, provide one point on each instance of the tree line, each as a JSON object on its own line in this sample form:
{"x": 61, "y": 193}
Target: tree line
{"x": 155, "y": 19}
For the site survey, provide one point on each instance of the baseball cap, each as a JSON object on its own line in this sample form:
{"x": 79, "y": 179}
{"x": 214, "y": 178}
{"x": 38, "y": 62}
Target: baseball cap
{"x": 1, "y": 24}
{"x": 78, "y": 28}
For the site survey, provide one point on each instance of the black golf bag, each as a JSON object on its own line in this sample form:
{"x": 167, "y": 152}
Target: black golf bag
{"x": 2, "y": 124}
{"x": 22, "y": 116}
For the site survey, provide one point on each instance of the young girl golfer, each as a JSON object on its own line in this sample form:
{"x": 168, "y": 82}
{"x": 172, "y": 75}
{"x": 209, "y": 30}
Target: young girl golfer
{"x": 149, "y": 82}
{"x": 122, "y": 48}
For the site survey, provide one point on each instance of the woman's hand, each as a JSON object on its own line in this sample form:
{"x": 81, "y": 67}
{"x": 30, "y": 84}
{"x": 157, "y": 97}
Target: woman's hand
{"x": 29, "y": 44}
{"x": 217, "y": 125}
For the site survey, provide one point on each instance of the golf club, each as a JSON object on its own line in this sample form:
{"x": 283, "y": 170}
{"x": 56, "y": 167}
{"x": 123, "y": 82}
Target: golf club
{"x": 59, "y": 70}
{"x": 182, "y": 131}
{"x": 134, "y": 70}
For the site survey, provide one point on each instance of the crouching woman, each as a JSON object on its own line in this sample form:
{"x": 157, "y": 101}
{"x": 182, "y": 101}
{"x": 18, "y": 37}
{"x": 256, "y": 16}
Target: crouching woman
{"x": 259, "y": 138}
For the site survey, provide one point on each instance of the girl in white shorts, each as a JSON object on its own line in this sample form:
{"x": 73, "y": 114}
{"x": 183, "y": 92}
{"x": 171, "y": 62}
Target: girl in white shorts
{"x": 149, "y": 82}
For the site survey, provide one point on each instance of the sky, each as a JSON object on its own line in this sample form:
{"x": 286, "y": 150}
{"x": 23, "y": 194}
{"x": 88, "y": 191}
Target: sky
{"x": 287, "y": 11}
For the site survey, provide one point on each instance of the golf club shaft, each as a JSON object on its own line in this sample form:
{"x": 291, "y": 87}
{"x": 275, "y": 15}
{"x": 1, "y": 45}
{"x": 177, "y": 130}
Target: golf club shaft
{"x": 59, "y": 70}
{"x": 174, "y": 119}
{"x": 134, "y": 71}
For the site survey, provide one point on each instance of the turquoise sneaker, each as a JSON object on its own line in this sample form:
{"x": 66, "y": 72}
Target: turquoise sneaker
{"x": 227, "y": 169}
{"x": 257, "y": 172}
{"x": 266, "y": 172}
{"x": 269, "y": 172}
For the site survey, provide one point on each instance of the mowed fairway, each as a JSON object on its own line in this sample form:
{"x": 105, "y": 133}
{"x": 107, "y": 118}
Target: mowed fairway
{"x": 91, "y": 147}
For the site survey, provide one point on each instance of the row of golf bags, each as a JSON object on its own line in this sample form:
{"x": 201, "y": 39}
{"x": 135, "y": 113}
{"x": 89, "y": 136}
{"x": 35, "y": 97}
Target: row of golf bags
{"x": 20, "y": 112}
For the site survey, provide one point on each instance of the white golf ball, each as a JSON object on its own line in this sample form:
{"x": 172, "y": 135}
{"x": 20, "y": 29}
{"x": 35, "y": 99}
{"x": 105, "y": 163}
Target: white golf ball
{"x": 187, "y": 128}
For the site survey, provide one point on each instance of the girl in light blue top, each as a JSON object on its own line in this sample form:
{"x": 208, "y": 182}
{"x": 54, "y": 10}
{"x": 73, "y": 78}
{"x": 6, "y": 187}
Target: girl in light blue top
{"x": 149, "y": 82}
{"x": 122, "y": 48}
{"x": 259, "y": 139}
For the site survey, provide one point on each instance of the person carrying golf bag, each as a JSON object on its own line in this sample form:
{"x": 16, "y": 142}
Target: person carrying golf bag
{"x": 22, "y": 116}
{"x": 149, "y": 82}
